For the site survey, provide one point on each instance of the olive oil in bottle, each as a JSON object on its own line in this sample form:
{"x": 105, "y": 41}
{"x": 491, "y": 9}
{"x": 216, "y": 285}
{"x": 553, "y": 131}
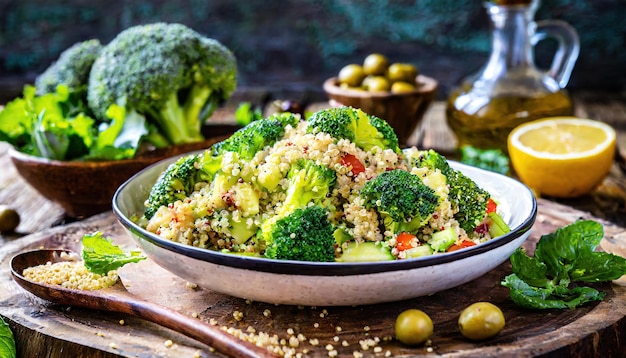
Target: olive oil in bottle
{"x": 489, "y": 125}
{"x": 509, "y": 90}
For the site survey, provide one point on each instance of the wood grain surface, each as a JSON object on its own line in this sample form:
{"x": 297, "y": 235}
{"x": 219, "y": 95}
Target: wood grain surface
{"x": 97, "y": 334}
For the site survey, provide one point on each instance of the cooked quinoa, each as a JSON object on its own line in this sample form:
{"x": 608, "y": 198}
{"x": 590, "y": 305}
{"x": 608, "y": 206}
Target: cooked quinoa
{"x": 70, "y": 274}
{"x": 202, "y": 219}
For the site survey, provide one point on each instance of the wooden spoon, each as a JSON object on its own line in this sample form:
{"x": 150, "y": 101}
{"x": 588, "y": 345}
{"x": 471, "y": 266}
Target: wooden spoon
{"x": 117, "y": 299}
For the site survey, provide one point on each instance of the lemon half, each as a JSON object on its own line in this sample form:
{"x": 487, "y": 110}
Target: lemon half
{"x": 562, "y": 157}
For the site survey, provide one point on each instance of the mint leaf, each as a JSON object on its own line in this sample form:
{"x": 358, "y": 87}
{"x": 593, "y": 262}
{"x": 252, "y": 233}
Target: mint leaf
{"x": 562, "y": 258}
{"x": 101, "y": 255}
{"x": 7, "y": 341}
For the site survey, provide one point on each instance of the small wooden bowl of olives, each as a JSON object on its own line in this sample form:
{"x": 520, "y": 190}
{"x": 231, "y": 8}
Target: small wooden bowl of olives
{"x": 395, "y": 92}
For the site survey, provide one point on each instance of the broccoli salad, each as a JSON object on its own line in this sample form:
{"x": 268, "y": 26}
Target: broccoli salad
{"x": 334, "y": 187}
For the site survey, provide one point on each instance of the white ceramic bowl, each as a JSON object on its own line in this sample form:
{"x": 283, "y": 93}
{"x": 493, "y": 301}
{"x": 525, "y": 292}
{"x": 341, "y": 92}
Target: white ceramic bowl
{"x": 324, "y": 283}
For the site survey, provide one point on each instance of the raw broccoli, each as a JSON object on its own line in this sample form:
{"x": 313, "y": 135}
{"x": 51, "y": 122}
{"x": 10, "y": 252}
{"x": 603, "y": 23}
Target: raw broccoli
{"x": 175, "y": 183}
{"x": 366, "y": 131}
{"x": 304, "y": 235}
{"x": 465, "y": 194}
{"x": 169, "y": 73}
{"x": 402, "y": 200}
{"x": 70, "y": 69}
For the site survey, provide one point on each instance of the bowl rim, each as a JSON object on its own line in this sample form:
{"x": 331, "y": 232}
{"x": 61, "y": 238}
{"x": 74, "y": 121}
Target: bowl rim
{"x": 427, "y": 85}
{"x": 292, "y": 267}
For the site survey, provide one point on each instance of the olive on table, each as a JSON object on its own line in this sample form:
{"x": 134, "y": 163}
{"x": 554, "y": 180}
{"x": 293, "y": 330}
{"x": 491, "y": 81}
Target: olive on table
{"x": 405, "y": 72}
{"x": 9, "y": 219}
{"x": 413, "y": 327}
{"x": 375, "y": 64}
{"x": 351, "y": 75}
{"x": 376, "y": 84}
{"x": 481, "y": 320}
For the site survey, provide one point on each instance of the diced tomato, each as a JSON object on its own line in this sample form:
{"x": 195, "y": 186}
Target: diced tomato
{"x": 404, "y": 241}
{"x": 352, "y": 162}
{"x": 491, "y": 206}
{"x": 461, "y": 245}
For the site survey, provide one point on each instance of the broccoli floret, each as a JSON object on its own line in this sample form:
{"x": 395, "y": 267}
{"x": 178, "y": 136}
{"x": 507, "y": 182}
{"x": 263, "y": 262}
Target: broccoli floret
{"x": 70, "y": 69}
{"x": 304, "y": 235}
{"x": 402, "y": 200}
{"x": 175, "y": 183}
{"x": 465, "y": 194}
{"x": 249, "y": 140}
{"x": 169, "y": 73}
{"x": 364, "y": 130}
{"x": 307, "y": 182}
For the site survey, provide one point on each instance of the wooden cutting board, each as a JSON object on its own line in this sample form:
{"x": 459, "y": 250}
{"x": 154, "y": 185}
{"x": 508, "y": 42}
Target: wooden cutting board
{"x": 45, "y": 329}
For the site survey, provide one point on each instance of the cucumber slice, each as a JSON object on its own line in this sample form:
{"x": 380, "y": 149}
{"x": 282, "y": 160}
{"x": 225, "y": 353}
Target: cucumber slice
{"x": 422, "y": 250}
{"x": 497, "y": 226}
{"x": 442, "y": 240}
{"x": 366, "y": 251}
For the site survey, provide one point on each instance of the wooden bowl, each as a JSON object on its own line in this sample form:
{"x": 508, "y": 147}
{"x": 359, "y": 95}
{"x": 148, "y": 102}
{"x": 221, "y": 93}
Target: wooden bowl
{"x": 403, "y": 111}
{"x": 86, "y": 188}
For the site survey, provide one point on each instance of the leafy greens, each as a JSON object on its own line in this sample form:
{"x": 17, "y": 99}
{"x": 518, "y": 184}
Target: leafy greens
{"x": 100, "y": 255}
{"x": 59, "y": 126}
{"x": 7, "y": 341}
{"x": 563, "y": 260}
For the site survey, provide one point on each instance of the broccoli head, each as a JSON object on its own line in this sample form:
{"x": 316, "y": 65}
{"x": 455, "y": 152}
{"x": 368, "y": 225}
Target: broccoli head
{"x": 70, "y": 69}
{"x": 304, "y": 235}
{"x": 169, "y": 73}
{"x": 403, "y": 201}
{"x": 365, "y": 130}
{"x": 175, "y": 183}
{"x": 464, "y": 193}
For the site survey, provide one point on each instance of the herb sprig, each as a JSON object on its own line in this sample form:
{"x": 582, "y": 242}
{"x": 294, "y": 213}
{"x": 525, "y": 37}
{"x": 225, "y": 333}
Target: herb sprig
{"x": 563, "y": 261}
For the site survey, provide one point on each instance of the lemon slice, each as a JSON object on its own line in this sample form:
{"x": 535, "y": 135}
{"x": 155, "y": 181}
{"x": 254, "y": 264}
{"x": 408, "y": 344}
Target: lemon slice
{"x": 562, "y": 157}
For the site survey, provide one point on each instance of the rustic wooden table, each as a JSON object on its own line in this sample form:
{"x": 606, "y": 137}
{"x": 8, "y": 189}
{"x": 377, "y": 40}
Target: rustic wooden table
{"x": 47, "y": 330}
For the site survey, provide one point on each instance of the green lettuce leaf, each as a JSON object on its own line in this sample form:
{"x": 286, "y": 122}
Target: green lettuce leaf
{"x": 7, "y": 341}
{"x": 101, "y": 255}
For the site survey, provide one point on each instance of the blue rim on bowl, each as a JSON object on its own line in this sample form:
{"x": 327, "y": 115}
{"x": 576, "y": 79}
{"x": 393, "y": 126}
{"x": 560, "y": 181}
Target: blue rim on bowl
{"x": 517, "y": 202}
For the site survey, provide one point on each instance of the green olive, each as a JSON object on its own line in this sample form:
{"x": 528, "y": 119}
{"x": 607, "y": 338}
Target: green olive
{"x": 351, "y": 75}
{"x": 9, "y": 219}
{"x": 405, "y": 72}
{"x": 376, "y": 84}
{"x": 402, "y": 87}
{"x": 375, "y": 64}
{"x": 413, "y": 327}
{"x": 481, "y": 320}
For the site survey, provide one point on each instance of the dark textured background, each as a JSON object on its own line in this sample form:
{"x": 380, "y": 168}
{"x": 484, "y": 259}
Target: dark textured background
{"x": 295, "y": 45}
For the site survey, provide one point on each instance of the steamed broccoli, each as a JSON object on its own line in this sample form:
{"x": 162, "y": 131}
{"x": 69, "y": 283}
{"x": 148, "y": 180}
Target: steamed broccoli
{"x": 366, "y": 131}
{"x": 249, "y": 140}
{"x": 403, "y": 201}
{"x": 304, "y": 235}
{"x": 465, "y": 194}
{"x": 169, "y": 73}
{"x": 308, "y": 182}
{"x": 70, "y": 69}
{"x": 175, "y": 183}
